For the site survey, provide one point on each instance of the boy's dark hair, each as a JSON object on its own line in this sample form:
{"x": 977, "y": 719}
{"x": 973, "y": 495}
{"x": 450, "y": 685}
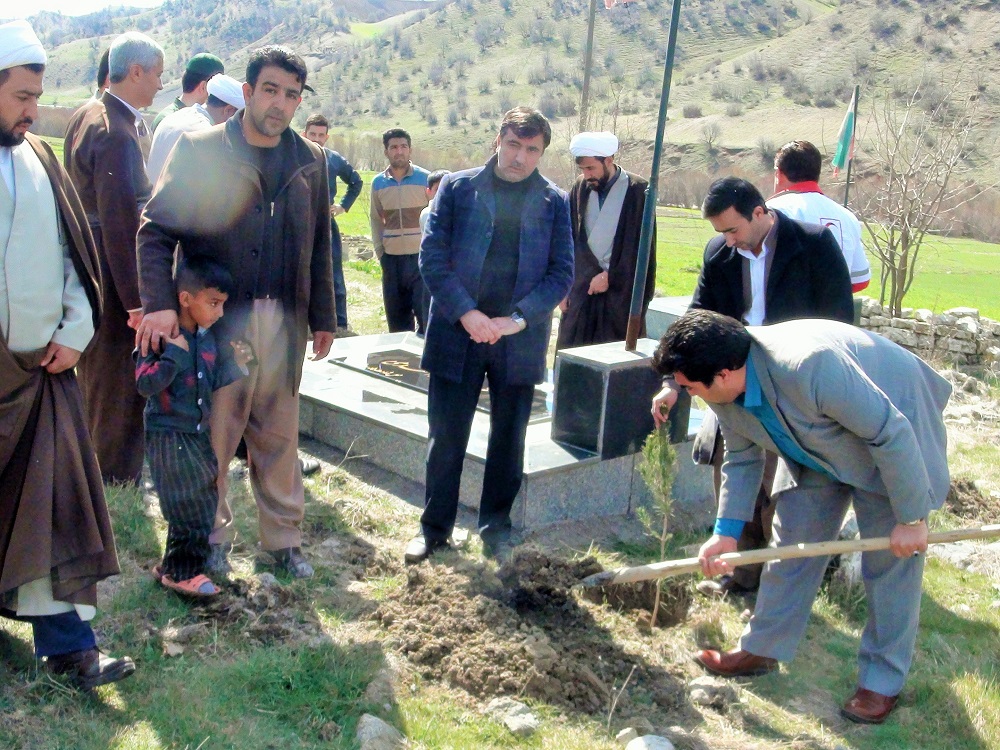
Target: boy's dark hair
{"x": 799, "y": 161}
{"x": 279, "y": 57}
{"x": 436, "y": 176}
{"x": 395, "y": 133}
{"x": 732, "y": 192}
{"x": 104, "y": 69}
{"x": 701, "y": 344}
{"x": 200, "y": 272}
{"x": 526, "y": 123}
{"x": 317, "y": 120}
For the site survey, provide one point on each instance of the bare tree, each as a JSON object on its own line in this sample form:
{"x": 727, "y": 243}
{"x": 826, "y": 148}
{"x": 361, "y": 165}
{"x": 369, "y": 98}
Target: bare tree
{"x": 918, "y": 159}
{"x": 711, "y": 132}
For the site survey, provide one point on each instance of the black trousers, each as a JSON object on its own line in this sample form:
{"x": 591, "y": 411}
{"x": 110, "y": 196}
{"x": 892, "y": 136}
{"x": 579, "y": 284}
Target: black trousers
{"x": 450, "y": 409}
{"x": 403, "y": 293}
{"x": 184, "y": 471}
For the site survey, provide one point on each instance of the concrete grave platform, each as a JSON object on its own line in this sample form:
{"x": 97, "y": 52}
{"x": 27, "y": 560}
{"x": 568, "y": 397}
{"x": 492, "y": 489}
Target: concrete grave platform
{"x": 367, "y": 399}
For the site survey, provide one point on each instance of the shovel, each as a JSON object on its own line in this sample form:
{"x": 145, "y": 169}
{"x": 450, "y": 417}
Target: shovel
{"x": 669, "y": 568}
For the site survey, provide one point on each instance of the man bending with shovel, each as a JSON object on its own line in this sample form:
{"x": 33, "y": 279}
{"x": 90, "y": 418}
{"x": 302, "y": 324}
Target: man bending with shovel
{"x": 852, "y": 416}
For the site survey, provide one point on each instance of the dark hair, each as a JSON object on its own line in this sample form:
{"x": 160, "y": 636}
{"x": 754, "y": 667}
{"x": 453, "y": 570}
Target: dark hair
{"x": 191, "y": 79}
{"x": 104, "y": 69}
{"x": 200, "y": 272}
{"x": 33, "y": 67}
{"x": 316, "y": 120}
{"x": 216, "y": 103}
{"x": 435, "y": 177}
{"x": 799, "y": 161}
{"x": 701, "y": 344}
{"x": 395, "y": 133}
{"x": 279, "y": 57}
{"x": 732, "y": 192}
{"x": 526, "y": 123}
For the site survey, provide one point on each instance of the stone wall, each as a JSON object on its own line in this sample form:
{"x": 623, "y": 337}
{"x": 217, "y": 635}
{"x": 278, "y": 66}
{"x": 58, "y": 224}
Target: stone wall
{"x": 959, "y": 336}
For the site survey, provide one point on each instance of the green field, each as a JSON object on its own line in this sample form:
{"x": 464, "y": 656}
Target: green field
{"x": 952, "y": 272}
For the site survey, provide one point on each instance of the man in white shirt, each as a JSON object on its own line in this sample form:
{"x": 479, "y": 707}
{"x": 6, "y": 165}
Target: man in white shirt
{"x": 797, "y": 195}
{"x": 225, "y": 98}
{"x": 56, "y": 541}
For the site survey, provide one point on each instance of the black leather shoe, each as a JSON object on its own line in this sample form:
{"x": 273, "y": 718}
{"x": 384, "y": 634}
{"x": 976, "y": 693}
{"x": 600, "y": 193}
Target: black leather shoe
{"x": 217, "y": 563}
{"x": 419, "y": 549}
{"x": 293, "y": 562}
{"x": 498, "y": 546}
{"x": 309, "y": 466}
{"x": 90, "y": 668}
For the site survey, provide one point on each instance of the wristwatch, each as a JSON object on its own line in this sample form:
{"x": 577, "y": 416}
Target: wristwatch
{"x": 914, "y": 523}
{"x": 519, "y": 320}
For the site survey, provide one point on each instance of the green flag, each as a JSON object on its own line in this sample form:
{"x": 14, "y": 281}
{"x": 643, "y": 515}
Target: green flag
{"x": 845, "y": 139}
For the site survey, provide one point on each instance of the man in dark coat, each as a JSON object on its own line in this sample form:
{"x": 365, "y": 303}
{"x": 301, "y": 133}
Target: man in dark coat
{"x": 497, "y": 258}
{"x": 253, "y": 195}
{"x": 56, "y": 541}
{"x": 106, "y": 143}
{"x": 761, "y": 268}
{"x": 606, "y": 206}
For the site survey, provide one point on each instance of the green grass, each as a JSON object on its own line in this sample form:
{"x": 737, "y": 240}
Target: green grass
{"x": 366, "y": 30}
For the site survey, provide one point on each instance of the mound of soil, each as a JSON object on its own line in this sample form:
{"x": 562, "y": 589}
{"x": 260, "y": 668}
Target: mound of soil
{"x": 967, "y": 502}
{"x": 520, "y": 632}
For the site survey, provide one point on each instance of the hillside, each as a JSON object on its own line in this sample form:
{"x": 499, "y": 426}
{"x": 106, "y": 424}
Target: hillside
{"x": 751, "y": 74}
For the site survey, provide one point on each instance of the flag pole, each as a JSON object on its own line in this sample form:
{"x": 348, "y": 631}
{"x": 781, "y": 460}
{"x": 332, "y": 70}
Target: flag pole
{"x": 649, "y": 209}
{"x": 850, "y": 153}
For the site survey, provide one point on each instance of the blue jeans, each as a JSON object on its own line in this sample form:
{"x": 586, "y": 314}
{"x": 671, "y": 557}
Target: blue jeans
{"x": 57, "y": 634}
{"x": 339, "y": 286}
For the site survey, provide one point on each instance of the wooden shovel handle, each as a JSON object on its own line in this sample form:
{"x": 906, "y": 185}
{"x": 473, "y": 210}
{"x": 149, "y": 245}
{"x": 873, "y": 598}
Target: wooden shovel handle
{"x": 669, "y": 568}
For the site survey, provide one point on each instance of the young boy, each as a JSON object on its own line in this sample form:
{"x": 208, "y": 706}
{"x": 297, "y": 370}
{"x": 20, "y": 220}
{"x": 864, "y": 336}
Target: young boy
{"x": 178, "y": 384}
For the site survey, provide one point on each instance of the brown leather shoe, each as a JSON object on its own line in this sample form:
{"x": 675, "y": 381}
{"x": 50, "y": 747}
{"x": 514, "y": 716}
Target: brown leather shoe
{"x": 89, "y": 668}
{"x": 735, "y": 663}
{"x": 868, "y": 707}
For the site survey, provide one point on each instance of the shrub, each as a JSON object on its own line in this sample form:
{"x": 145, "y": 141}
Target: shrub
{"x": 691, "y": 111}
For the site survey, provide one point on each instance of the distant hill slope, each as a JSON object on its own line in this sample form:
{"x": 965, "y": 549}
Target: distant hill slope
{"x": 751, "y": 74}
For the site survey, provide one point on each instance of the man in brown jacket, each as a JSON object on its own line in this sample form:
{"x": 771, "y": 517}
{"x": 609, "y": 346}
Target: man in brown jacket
{"x": 253, "y": 195}
{"x": 55, "y": 533}
{"x": 106, "y": 141}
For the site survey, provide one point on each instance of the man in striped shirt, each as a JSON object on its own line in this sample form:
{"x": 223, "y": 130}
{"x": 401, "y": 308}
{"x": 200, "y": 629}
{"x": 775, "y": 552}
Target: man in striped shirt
{"x": 398, "y": 197}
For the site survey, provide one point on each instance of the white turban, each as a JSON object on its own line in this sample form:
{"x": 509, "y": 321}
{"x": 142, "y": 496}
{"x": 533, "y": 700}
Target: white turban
{"x": 228, "y": 89}
{"x": 600, "y": 145}
{"x": 19, "y": 45}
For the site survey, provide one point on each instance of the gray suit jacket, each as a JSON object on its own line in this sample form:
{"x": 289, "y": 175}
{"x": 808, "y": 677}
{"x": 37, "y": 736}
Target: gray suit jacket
{"x": 867, "y": 410}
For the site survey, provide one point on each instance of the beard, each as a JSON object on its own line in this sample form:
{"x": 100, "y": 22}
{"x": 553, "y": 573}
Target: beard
{"x": 7, "y": 137}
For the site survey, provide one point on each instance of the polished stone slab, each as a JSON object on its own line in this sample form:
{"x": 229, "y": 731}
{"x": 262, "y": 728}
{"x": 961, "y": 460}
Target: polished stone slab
{"x": 662, "y": 312}
{"x": 383, "y": 421}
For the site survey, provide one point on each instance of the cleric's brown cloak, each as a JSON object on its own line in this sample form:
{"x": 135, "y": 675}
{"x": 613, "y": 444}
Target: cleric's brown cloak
{"x": 53, "y": 517}
{"x": 601, "y": 318}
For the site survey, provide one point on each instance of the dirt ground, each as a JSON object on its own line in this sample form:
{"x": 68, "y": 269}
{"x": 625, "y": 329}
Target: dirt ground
{"x": 519, "y": 632}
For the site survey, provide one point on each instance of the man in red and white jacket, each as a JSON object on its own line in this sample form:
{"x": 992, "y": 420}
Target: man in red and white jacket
{"x": 797, "y": 195}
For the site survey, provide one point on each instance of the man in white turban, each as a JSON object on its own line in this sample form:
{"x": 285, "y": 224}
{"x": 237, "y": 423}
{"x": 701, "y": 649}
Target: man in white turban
{"x": 55, "y": 533}
{"x": 225, "y": 97}
{"x": 607, "y": 204}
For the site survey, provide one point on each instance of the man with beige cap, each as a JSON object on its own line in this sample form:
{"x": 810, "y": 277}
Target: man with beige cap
{"x": 56, "y": 541}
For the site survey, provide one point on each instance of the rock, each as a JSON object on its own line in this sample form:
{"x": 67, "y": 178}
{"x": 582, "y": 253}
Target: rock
{"x": 626, "y": 735}
{"x": 268, "y": 581}
{"x": 650, "y": 742}
{"x": 514, "y": 715}
{"x": 962, "y": 312}
{"x": 923, "y": 314}
{"x": 542, "y": 654}
{"x": 643, "y": 726}
{"x": 712, "y": 691}
{"x": 375, "y": 734}
{"x": 522, "y": 725}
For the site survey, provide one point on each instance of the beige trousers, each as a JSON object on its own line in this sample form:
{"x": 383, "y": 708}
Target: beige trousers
{"x": 263, "y": 409}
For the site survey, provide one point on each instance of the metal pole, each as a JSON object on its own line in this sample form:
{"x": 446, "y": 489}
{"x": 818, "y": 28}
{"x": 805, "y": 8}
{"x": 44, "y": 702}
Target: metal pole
{"x": 850, "y": 156}
{"x": 649, "y": 209}
{"x": 588, "y": 62}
